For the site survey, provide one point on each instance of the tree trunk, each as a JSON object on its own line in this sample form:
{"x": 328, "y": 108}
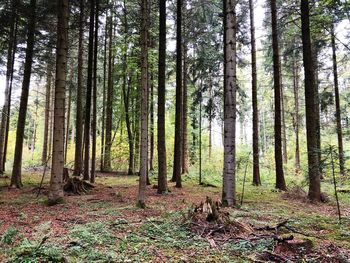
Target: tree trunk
{"x": 5, "y": 118}
{"x": 210, "y": 146}
{"x": 230, "y": 87}
{"x": 151, "y": 159}
{"x": 284, "y": 128}
{"x": 56, "y": 188}
{"x": 94, "y": 99}
{"x": 16, "y": 179}
{"x": 109, "y": 108}
{"x": 256, "y": 161}
{"x": 44, "y": 156}
{"x": 311, "y": 109}
{"x": 185, "y": 163}
{"x": 179, "y": 100}
{"x": 68, "y": 112}
{"x": 162, "y": 163}
{"x": 280, "y": 182}
{"x": 144, "y": 106}
{"x": 89, "y": 85}
{"x": 104, "y": 97}
{"x": 296, "y": 115}
{"x": 78, "y": 163}
{"x": 337, "y": 105}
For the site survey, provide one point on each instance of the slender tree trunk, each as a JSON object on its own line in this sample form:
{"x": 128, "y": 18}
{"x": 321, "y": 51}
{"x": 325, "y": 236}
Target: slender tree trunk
{"x": 78, "y": 163}
{"x": 230, "y": 87}
{"x": 8, "y": 87}
{"x": 337, "y": 105}
{"x": 311, "y": 109}
{"x": 179, "y": 100}
{"x": 104, "y": 97}
{"x": 280, "y": 182}
{"x": 44, "y": 156}
{"x": 50, "y": 139}
{"x": 256, "y": 161}
{"x": 144, "y": 105}
{"x": 162, "y": 163}
{"x": 296, "y": 115}
{"x": 94, "y": 99}
{"x": 109, "y": 108}
{"x": 284, "y": 128}
{"x": 68, "y": 113}
{"x": 88, "y": 92}
{"x": 151, "y": 159}
{"x": 56, "y": 189}
{"x": 200, "y": 133}
{"x": 16, "y": 179}
{"x": 185, "y": 162}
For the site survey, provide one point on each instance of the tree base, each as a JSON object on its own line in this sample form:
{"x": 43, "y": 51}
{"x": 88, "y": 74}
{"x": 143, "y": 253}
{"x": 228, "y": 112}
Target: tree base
{"x": 77, "y": 186}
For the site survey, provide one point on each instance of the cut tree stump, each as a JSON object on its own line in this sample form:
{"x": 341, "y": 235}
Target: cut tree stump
{"x": 77, "y": 186}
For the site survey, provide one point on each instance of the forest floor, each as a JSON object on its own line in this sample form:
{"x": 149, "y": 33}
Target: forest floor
{"x": 106, "y": 226}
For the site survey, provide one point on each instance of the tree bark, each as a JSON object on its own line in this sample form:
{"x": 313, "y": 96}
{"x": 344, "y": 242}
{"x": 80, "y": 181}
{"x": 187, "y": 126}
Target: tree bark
{"x": 104, "y": 97}
{"x": 280, "y": 182}
{"x": 296, "y": 115}
{"x": 109, "y": 108}
{"x": 230, "y": 87}
{"x": 144, "y": 105}
{"x": 16, "y": 178}
{"x": 179, "y": 100}
{"x": 44, "y": 156}
{"x": 311, "y": 109}
{"x": 256, "y": 161}
{"x": 12, "y": 46}
{"x": 78, "y": 163}
{"x": 185, "y": 162}
{"x": 89, "y": 85}
{"x": 151, "y": 159}
{"x": 68, "y": 113}
{"x": 56, "y": 188}
{"x": 94, "y": 99}
{"x": 337, "y": 104}
{"x": 162, "y": 163}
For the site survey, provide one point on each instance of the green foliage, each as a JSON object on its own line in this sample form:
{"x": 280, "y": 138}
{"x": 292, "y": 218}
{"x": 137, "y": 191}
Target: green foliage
{"x": 9, "y": 236}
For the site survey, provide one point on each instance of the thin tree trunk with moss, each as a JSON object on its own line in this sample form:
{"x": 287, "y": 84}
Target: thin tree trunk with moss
{"x": 56, "y": 187}
{"x": 68, "y": 113}
{"x": 296, "y": 115}
{"x": 16, "y": 178}
{"x": 44, "y": 156}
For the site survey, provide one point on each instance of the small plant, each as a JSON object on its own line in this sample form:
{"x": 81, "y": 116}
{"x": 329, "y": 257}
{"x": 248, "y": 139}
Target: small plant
{"x": 9, "y": 235}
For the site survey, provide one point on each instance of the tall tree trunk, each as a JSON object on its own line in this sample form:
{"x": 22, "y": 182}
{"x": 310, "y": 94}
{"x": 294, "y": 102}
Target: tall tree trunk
{"x": 16, "y": 178}
{"x": 68, "y": 113}
{"x": 94, "y": 99}
{"x": 52, "y": 107}
{"x": 78, "y": 163}
{"x": 56, "y": 189}
{"x": 44, "y": 156}
{"x": 109, "y": 108}
{"x": 179, "y": 100}
{"x": 296, "y": 115}
{"x": 144, "y": 105}
{"x": 8, "y": 87}
{"x": 256, "y": 161}
{"x": 230, "y": 88}
{"x": 104, "y": 97}
{"x": 126, "y": 96}
{"x": 185, "y": 162}
{"x": 89, "y": 85}
{"x": 151, "y": 159}
{"x": 200, "y": 132}
{"x": 311, "y": 109}
{"x": 337, "y": 105}
{"x": 280, "y": 182}
{"x": 162, "y": 163}
{"x": 284, "y": 128}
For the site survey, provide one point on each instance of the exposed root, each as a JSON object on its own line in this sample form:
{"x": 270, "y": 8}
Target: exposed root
{"x": 76, "y": 186}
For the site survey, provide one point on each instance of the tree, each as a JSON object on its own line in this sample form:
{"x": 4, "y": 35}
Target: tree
{"x": 56, "y": 189}
{"x": 177, "y": 169}
{"x": 89, "y": 85}
{"x": 280, "y": 182}
{"x": 16, "y": 178}
{"x": 144, "y": 106}
{"x": 310, "y": 104}
{"x": 5, "y": 116}
{"x": 230, "y": 87}
{"x": 162, "y": 164}
{"x": 256, "y": 169}
{"x": 94, "y": 99}
{"x": 79, "y": 108}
